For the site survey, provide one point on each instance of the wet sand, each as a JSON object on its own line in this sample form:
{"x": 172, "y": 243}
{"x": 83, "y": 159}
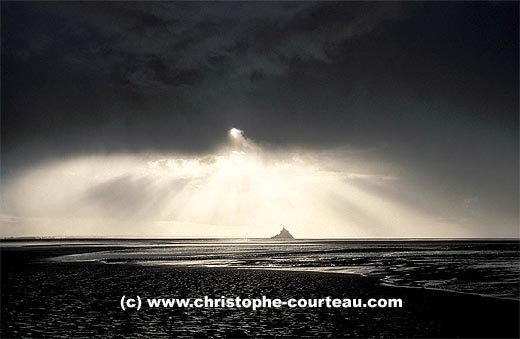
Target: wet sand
{"x": 49, "y": 299}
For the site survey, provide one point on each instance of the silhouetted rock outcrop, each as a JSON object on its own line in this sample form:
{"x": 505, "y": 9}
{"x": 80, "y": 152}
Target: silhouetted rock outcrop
{"x": 283, "y": 235}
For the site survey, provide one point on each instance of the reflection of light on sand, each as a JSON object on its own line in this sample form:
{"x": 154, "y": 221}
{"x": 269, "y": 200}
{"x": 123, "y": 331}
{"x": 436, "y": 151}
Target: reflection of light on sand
{"x": 436, "y": 265}
{"x": 187, "y": 263}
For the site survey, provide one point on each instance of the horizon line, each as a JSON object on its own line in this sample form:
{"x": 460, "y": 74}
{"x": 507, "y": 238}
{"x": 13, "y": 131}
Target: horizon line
{"x": 14, "y": 238}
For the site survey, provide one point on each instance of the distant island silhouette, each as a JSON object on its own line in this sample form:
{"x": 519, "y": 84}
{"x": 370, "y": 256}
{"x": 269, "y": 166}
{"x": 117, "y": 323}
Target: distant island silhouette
{"x": 283, "y": 235}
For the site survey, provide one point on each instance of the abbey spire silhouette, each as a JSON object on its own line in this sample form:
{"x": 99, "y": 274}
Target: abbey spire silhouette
{"x": 283, "y": 235}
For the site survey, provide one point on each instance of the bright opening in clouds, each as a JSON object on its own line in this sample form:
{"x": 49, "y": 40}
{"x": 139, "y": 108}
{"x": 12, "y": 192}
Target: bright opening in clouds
{"x": 235, "y": 133}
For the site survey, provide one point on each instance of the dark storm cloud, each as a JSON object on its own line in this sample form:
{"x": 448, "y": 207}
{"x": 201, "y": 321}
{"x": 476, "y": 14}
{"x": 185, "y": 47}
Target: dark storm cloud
{"x": 105, "y": 73}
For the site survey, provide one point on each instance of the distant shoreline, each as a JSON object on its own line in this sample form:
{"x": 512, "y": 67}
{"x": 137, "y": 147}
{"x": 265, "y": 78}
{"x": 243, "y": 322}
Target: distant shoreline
{"x": 37, "y": 238}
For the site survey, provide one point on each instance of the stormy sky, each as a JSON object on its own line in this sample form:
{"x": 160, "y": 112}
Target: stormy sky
{"x": 358, "y": 119}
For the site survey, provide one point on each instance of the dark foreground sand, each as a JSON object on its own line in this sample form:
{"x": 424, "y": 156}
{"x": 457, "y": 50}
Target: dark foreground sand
{"x": 43, "y": 299}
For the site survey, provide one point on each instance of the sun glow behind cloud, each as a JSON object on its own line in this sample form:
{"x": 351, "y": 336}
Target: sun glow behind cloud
{"x": 235, "y": 133}
{"x": 241, "y": 191}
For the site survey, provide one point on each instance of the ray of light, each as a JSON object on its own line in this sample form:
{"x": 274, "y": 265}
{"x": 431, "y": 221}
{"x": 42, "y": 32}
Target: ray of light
{"x": 240, "y": 191}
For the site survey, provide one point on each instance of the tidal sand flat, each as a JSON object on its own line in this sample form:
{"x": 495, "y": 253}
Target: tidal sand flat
{"x": 56, "y": 298}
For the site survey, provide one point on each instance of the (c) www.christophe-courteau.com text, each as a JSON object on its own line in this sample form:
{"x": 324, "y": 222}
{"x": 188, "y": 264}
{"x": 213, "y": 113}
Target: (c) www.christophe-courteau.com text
{"x": 137, "y": 302}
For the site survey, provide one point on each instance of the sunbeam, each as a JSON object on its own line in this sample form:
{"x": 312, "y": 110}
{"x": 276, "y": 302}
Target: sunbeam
{"x": 241, "y": 191}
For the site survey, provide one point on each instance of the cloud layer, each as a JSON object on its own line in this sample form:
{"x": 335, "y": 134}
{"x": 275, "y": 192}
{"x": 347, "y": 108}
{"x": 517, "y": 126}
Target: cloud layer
{"x": 240, "y": 191}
